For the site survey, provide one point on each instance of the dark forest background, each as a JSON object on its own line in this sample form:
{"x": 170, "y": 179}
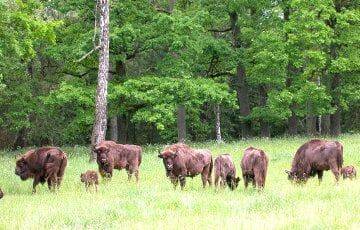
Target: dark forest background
{"x": 198, "y": 70}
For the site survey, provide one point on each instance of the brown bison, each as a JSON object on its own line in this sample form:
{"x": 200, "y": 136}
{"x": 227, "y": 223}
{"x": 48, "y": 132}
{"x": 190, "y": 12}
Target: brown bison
{"x": 1, "y": 194}
{"x": 181, "y": 161}
{"x": 314, "y": 157}
{"x": 348, "y": 172}
{"x": 90, "y": 178}
{"x": 112, "y": 156}
{"x": 225, "y": 171}
{"x": 46, "y": 164}
{"x": 254, "y": 166}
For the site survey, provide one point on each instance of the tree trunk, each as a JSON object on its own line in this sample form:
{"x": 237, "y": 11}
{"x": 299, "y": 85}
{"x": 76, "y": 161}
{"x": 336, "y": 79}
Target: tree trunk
{"x": 335, "y": 119}
{"x": 114, "y": 129}
{"x": 325, "y": 124}
{"x": 99, "y": 129}
{"x": 217, "y": 123}
{"x": 310, "y": 121}
{"x": 181, "y": 123}
{"x": 241, "y": 85}
{"x": 123, "y": 129}
{"x": 264, "y": 124}
{"x": 293, "y": 124}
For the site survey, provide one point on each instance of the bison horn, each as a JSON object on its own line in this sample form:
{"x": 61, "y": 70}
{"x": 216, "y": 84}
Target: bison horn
{"x": 287, "y": 171}
{"x": 160, "y": 156}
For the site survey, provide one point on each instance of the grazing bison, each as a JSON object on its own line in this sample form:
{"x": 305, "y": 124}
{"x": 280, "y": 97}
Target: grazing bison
{"x": 181, "y": 161}
{"x": 90, "y": 178}
{"x": 254, "y": 166}
{"x": 348, "y": 172}
{"x": 314, "y": 157}
{"x": 1, "y": 194}
{"x": 225, "y": 171}
{"x": 112, "y": 156}
{"x": 42, "y": 164}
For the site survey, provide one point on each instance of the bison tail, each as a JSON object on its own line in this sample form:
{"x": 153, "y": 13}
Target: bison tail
{"x": 339, "y": 158}
{"x": 211, "y": 167}
{"x": 140, "y": 156}
{"x": 62, "y": 168}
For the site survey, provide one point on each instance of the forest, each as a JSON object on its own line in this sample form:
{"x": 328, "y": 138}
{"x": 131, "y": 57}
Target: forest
{"x": 179, "y": 70}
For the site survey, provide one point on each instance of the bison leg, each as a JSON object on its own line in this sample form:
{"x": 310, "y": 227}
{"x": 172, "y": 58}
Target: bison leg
{"x": 320, "y": 174}
{"x": 182, "y": 182}
{"x": 206, "y": 176}
{"x": 36, "y": 181}
{"x": 217, "y": 177}
{"x": 246, "y": 181}
{"x": 137, "y": 175}
{"x": 335, "y": 170}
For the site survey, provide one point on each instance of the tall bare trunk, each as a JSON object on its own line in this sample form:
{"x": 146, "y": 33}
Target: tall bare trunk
{"x": 264, "y": 124}
{"x": 181, "y": 123}
{"x": 114, "y": 128}
{"x": 241, "y": 85}
{"x": 325, "y": 124}
{"x": 310, "y": 121}
{"x": 335, "y": 119}
{"x": 217, "y": 123}
{"x": 99, "y": 129}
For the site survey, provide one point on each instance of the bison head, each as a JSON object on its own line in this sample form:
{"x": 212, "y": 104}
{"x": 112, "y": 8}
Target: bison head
{"x": 83, "y": 177}
{"x": 22, "y": 169}
{"x": 102, "y": 154}
{"x": 232, "y": 182}
{"x": 168, "y": 160}
{"x": 296, "y": 176}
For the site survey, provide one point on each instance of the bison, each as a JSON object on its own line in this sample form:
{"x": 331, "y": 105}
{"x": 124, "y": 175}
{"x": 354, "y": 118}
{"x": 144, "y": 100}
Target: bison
{"x": 348, "y": 172}
{"x": 45, "y": 164}
{"x": 254, "y": 166}
{"x": 111, "y": 155}
{"x": 1, "y": 194}
{"x": 181, "y": 161}
{"x": 313, "y": 158}
{"x": 225, "y": 171}
{"x": 90, "y": 178}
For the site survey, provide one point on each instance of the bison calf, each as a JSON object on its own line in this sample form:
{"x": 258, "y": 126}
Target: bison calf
{"x": 315, "y": 157}
{"x": 254, "y": 167}
{"x": 225, "y": 171}
{"x": 90, "y": 178}
{"x": 112, "y": 156}
{"x": 181, "y": 161}
{"x": 1, "y": 194}
{"x": 348, "y": 172}
{"x": 46, "y": 164}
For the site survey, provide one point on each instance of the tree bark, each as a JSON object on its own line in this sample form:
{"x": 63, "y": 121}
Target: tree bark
{"x": 114, "y": 128}
{"x": 325, "y": 124}
{"x": 99, "y": 129}
{"x": 123, "y": 129}
{"x": 310, "y": 121}
{"x": 241, "y": 85}
{"x": 335, "y": 119}
{"x": 217, "y": 123}
{"x": 181, "y": 123}
{"x": 264, "y": 124}
{"x": 293, "y": 124}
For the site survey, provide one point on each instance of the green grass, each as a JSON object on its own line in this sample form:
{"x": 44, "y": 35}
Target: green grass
{"x": 153, "y": 203}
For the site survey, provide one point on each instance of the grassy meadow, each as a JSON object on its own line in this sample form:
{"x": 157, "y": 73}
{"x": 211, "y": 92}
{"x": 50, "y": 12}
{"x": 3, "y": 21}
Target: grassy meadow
{"x": 153, "y": 203}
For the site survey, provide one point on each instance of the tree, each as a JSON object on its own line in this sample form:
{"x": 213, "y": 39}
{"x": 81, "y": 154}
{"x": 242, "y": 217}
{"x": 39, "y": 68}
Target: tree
{"x": 100, "y": 124}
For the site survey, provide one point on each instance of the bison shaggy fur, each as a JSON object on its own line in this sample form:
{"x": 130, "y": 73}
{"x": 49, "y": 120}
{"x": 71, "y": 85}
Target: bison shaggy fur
{"x": 254, "y": 166}
{"x": 90, "y": 178}
{"x": 181, "y": 161}
{"x": 111, "y": 155}
{"x": 225, "y": 172}
{"x": 45, "y": 164}
{"x": 348, "y": 172}
{"x": 315, "y": 157}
